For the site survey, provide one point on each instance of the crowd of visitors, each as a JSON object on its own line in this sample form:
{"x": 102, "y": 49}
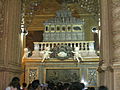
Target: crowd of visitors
{"x": 50, "y": 85}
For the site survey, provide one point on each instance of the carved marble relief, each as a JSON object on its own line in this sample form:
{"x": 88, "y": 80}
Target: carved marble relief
{"x": 65, "y": 75}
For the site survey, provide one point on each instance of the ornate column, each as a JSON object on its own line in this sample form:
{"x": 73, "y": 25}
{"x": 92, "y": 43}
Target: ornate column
{"x": 10, "y": 44}
{"x": 116, "y": 43}
{"x": 106, "y": 76}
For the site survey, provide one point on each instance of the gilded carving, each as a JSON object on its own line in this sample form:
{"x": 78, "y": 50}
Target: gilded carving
{"x": 62, "y": 52}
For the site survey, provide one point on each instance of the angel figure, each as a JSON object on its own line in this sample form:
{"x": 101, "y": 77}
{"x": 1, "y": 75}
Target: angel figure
{"x": 26, "y": 53}
{"x": 46, "y": 54}
{"x": 77, "y": 55}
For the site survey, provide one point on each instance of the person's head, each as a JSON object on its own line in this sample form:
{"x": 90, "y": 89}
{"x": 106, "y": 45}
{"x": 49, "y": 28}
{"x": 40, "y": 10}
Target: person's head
{"x": 29, "y": 86}
{"x": 76, "y": 86}
{"x": 83, "y": 85}
{"x": 16, "y": 79}
{"x": 51, "y": 85}
{"x": 24, "y": 85}
{"x": 59, "y": 84}
{"x": 35, "y": 84}
{"x": 91, "y": 88}
{"x": 66, "y": 85}
{"x": 102, "y": 88}
{"x": 15, "y": 83}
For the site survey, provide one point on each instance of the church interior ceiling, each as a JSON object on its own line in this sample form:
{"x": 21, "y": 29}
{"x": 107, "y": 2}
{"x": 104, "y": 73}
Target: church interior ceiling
{"x": 36, "y": 12}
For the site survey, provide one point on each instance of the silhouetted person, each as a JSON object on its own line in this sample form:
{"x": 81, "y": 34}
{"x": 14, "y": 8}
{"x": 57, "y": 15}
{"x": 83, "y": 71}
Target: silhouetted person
{"x": 14, "y": 84}
{"x": 51, "y": 86}
{"x": 60, "y": 86}
{"x": 76, "y": 86}
{"x": 29, "y": 86}
{"x": 24, "y": 85}
{"x": 91, "y": 88}
{"x": 66, "y": 86}
{"x": 35, "y": 84}
{"x": 102, "y": 88}
{"x": 83, "y": 85}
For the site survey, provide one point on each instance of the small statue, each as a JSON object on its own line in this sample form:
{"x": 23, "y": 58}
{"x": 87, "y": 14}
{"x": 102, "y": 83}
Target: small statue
{"x": 26, "y": 53}
{"x": 77, "y": 55}
{"x": 46, "y": 54}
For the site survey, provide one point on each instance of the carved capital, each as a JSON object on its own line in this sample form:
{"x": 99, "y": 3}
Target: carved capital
{"x": 101, "y": 62}
{"x": 104, "y": 68}
{"x": 109, "y": 68}
{"x": 100, "y": 70}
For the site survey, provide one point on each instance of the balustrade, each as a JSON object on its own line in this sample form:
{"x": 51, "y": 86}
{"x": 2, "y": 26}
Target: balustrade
{"x": 86, "y": 48}
{"x": 83, "y": 45}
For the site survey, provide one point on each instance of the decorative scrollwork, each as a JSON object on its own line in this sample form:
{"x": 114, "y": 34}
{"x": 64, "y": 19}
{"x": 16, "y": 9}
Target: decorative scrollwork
{"x": 109, "y": 68}
{"x": 100, "y": 70}
{"x": 32, "y": 74}
{"x": 62, "y": 52}
{"x": 92, "y": 77}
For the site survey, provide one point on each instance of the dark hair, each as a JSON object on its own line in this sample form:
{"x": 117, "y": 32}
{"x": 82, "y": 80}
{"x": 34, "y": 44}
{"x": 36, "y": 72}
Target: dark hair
{"x": 76, "y": 86}
{"x": 66, "y": 85}
{"x": 29, "y": 86}
{"x": 91, "y": 88}
{"x": 35, "y": 84}
{"x": 51, "y": 85}
{"x": 15, "y": 79}
{"x": 24, "y": 84}
{"x": 83, "y": 85}
{"x": 103, "y": 88}
{"x": 15, "y": 83}
{"x": 60, "y": 86}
